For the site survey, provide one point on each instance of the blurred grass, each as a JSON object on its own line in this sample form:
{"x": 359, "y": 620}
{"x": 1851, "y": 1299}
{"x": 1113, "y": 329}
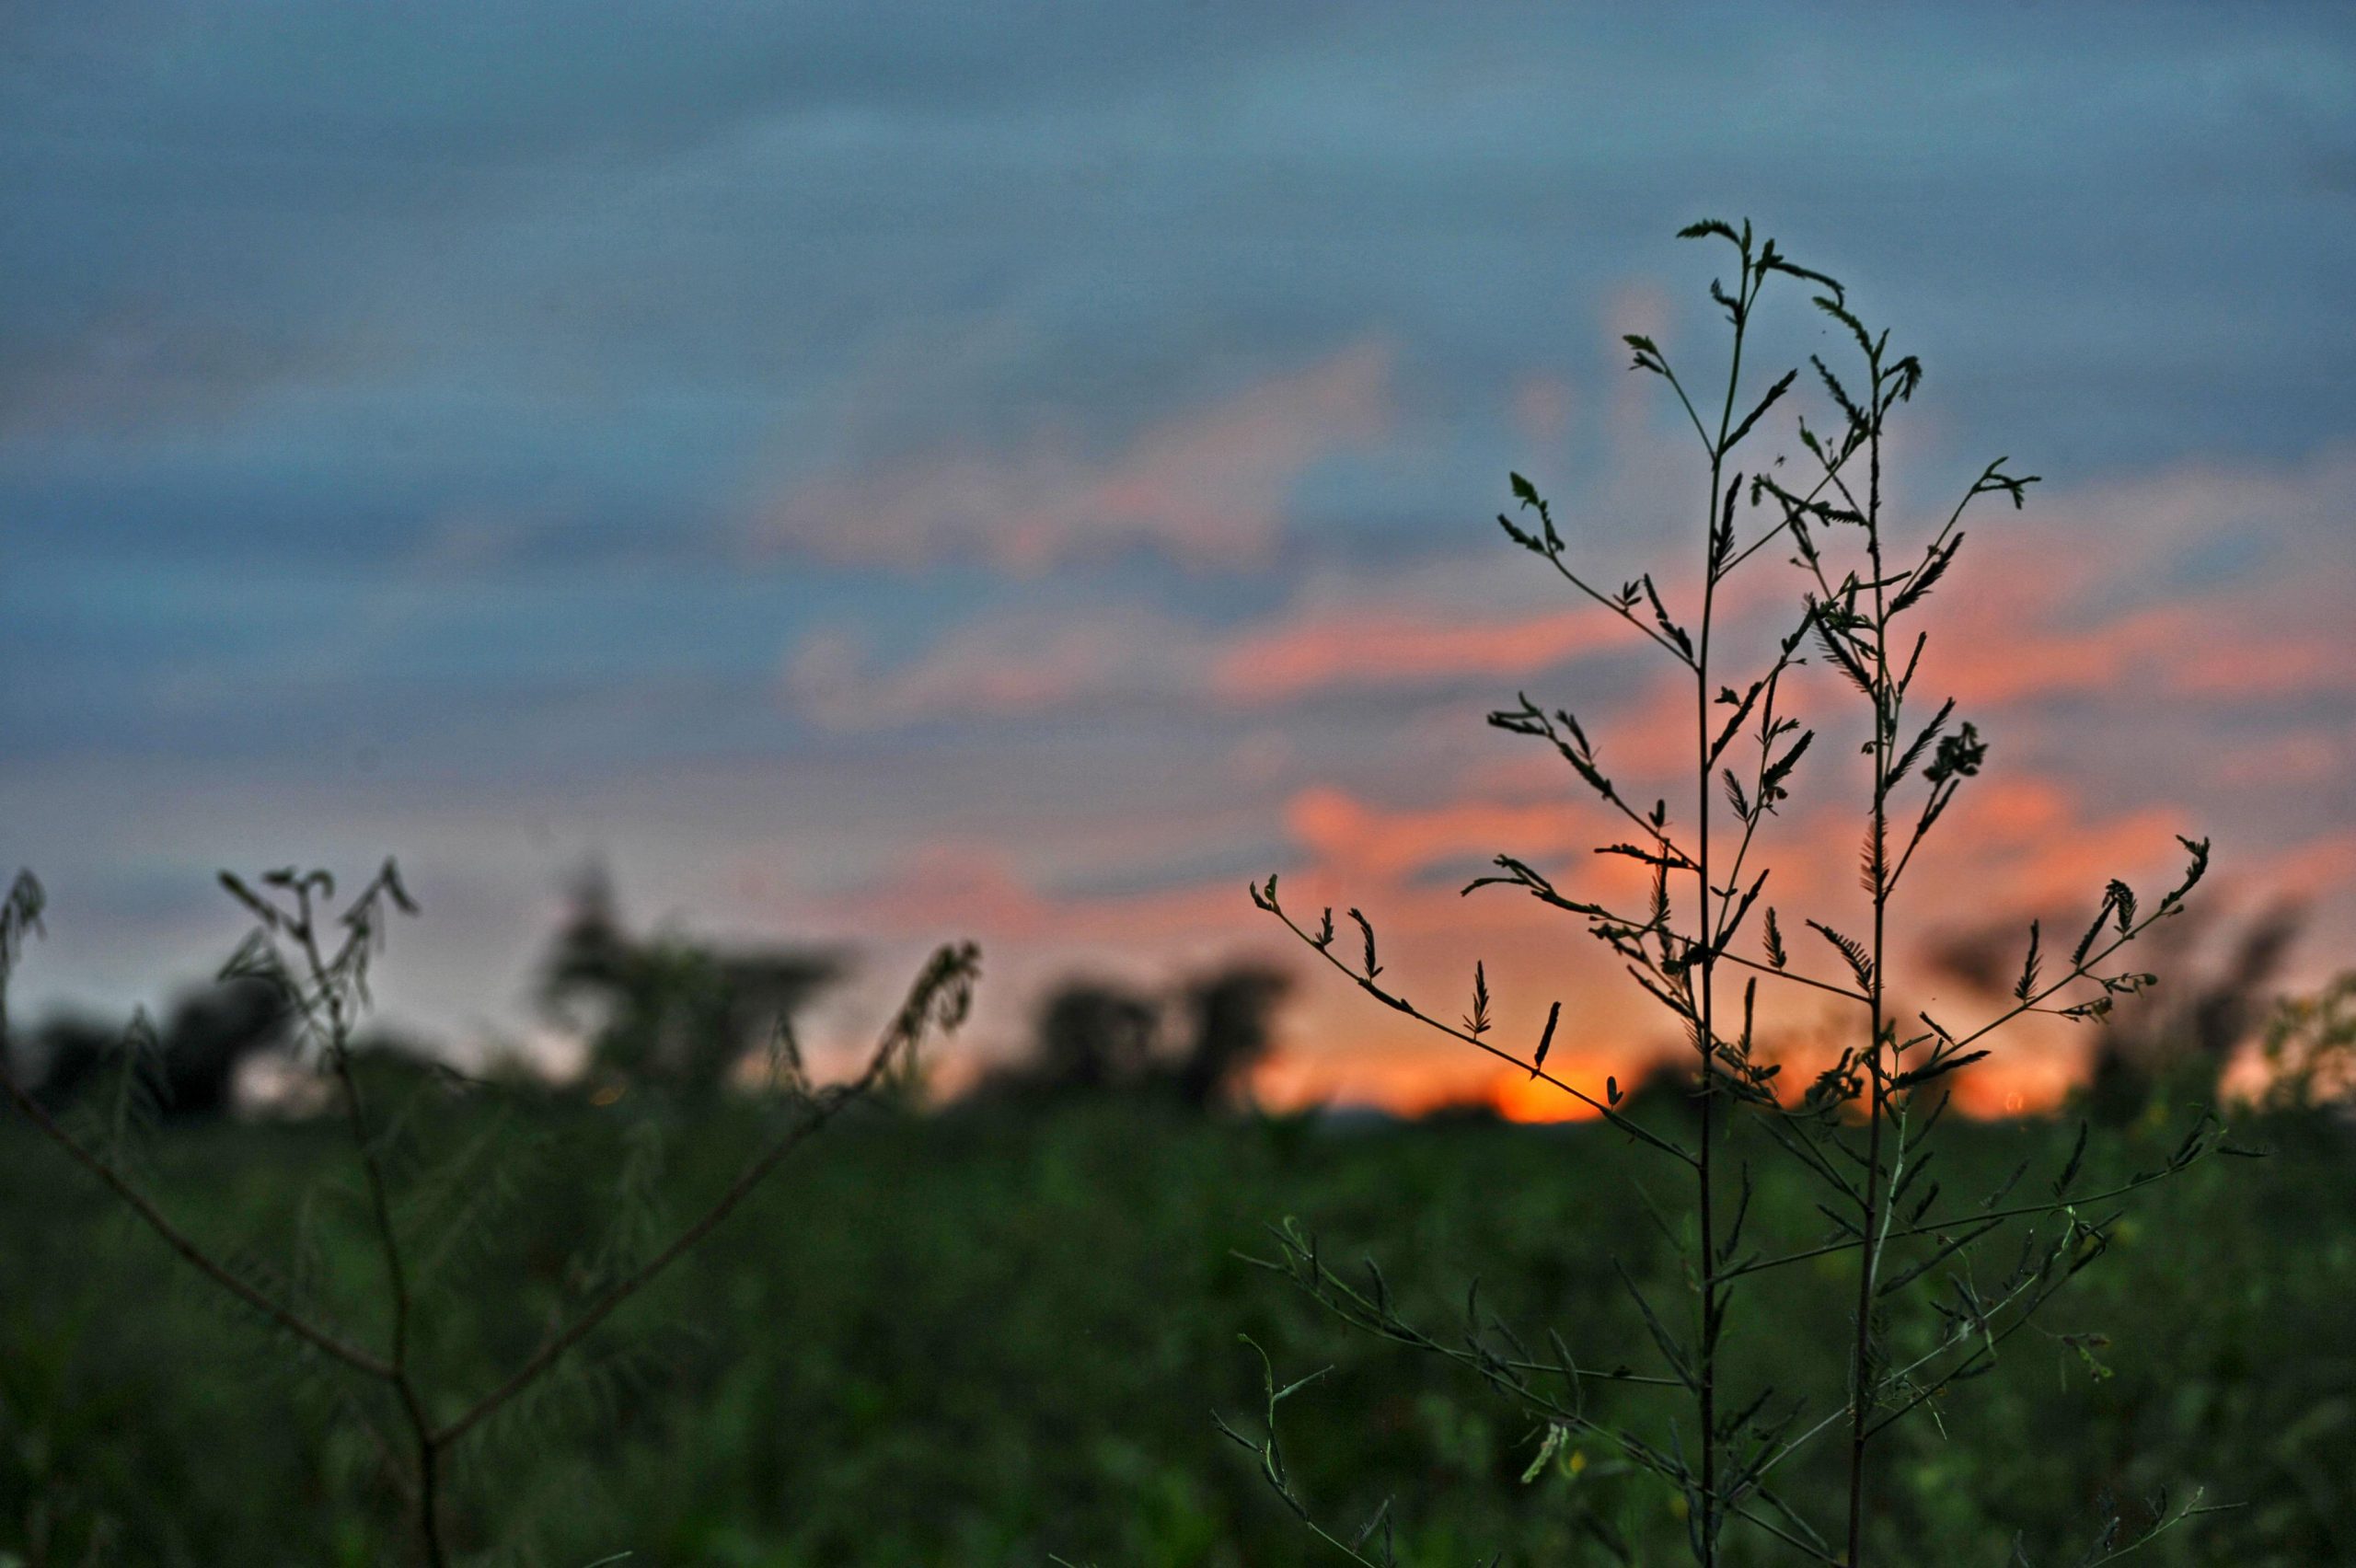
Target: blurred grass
{"x": 961, "y": 1340}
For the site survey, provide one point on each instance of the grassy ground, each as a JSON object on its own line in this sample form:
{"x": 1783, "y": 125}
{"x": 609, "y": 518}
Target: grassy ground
{"x": 961, "y": 1341}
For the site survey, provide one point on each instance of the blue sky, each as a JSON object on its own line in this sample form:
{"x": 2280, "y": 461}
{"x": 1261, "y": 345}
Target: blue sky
{"x": 856, "y": 469}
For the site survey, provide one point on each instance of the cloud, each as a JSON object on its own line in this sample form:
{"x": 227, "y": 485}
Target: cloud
{"x": 995, "y": 667}
{"x": 1396, "y": 646}
{"x": 2201, "y": 584}
{"x": 2028, "y": 844}
{"x": 2209, "y": 592}
{"x": 2104, "y": 594}
{"x": 2228, "y": 649}
{"x": 1339, "y": 831}
{"x": 139, "y": 370}
{"x": 1422, "y": 627}
{"x": 1032, "y": 661}
{"x": 1206, "y": 487}
{"x": 288, "y": 289}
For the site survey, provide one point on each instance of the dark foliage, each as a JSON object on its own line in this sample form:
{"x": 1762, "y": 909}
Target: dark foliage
{"x": 1232, "y": 1014}
{"x": 187, "y": 1069}
{"x": 975, "y": 1341}
{"x": 1196, "y": 1045}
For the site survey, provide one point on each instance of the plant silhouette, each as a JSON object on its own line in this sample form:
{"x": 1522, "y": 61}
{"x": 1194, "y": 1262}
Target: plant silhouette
{"x": 1926, "y": 1309}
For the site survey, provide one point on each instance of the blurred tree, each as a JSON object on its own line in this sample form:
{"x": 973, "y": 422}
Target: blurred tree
{"x": 187, "y": 1069}
{"x": 666, "y": 1010}
{"x": 2309, "y": 1049}
{"x": 2172, "y": 1033}
{"x": 1095, "y": 1036}
{"x": 1234, "y": 1016}
{"x": 61, "y": 1055}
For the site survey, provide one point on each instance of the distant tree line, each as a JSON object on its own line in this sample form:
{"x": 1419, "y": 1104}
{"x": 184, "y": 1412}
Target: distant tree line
{"x": 667, "y": 1012}
{"x": 184, "y": 1068}
{"x": 1195, "y": 1045}
{"x": 2181, "y": 1035}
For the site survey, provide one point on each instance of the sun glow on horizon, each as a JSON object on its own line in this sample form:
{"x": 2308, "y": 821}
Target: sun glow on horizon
{"x": 1413, "y": 1086}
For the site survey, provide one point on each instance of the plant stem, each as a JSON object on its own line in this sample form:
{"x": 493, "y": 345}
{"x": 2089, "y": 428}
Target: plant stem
{"x": 1703, "y": 1164}
{"x": 1885, "y": 700}
{"x": 1704, "y": 1171}
{"x": 339, "y": 1046}
{"x": 325, "y": 1341}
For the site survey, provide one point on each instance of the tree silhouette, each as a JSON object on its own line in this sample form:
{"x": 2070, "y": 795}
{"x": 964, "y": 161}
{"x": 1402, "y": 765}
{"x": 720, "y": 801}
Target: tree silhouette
{"x": 185, "y": 1071}
{"x": 1094, "y": 1036}
{"x": 1234, "y": 1016}
{"x": 666, "y": 1010}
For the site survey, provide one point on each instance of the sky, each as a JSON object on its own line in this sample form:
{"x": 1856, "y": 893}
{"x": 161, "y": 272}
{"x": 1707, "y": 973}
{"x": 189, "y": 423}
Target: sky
{"x": 882, "y": 474}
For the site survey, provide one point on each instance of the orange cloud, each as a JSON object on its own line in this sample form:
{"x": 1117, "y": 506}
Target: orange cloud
{"x": 1037, "y": 661}
{"x": 1379, "y": 648}
{"x": 1342, "y": 832}
{"x": 2089, "y": 594}
{"x": 2228, "y": 651}
{"x": 2028, "y": 841}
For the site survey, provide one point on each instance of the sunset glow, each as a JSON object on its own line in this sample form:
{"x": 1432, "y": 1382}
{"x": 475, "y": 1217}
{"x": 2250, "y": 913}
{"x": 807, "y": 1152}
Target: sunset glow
{"x": 1183, "y": 781}
{"x": 583, "y": 508}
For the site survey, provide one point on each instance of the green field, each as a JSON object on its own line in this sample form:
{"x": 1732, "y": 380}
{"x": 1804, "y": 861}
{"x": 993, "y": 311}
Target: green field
{"x": 958, "y": 1339}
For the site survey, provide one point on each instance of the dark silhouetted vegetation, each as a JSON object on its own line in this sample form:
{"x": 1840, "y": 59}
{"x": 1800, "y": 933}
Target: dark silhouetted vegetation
{"x": 187, "y": 1068}
{"x": 668, "y": 1012}
{"x": 1196, "y": 1046}
{"x": 1934, "y": 1278}
{"x": 978, "y": 1341}
{"x": 426, "y": 1205}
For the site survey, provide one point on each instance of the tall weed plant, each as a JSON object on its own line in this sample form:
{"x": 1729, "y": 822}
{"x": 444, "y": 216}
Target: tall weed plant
{"x": 1936, "y": 1284}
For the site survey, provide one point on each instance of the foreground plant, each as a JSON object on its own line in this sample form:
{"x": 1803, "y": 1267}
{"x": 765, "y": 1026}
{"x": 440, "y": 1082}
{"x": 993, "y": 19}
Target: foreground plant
{"x": 316, "y": 953}
{"x": 1925, "y": 1311}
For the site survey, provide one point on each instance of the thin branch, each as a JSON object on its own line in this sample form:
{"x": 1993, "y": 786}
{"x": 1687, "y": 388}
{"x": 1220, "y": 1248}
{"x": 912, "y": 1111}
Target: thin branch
{"x": 938, "y": 991}
{"x": 1797, "y": 978}
{"x": 1624, "y": 612}
{"x": 323, "y": 1340}
{"x": 1399, "y": 1004}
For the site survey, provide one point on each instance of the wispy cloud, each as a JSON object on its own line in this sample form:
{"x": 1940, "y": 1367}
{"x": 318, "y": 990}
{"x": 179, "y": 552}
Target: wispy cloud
{"x": 997, "y": 667}
{"x": 1206, "y": 488}
{"x": 1389, "y": 647}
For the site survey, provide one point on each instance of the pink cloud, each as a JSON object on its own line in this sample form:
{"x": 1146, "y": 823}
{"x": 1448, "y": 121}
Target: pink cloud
{"x": 1339, "y": 831}
{"x": 2015, "y": 843}
{"x": 2077, "y": 597}
{"x": 1207, "y": 487}
{"x": 952, "y": 886}
{"x": 2227, "y": 649}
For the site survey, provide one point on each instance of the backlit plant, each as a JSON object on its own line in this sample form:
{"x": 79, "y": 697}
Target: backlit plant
{"x": 1935, "y": 1286}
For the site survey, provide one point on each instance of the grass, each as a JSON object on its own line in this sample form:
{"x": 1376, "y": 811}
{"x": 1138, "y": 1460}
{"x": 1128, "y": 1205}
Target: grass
{"x": 969, "y": 1340}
